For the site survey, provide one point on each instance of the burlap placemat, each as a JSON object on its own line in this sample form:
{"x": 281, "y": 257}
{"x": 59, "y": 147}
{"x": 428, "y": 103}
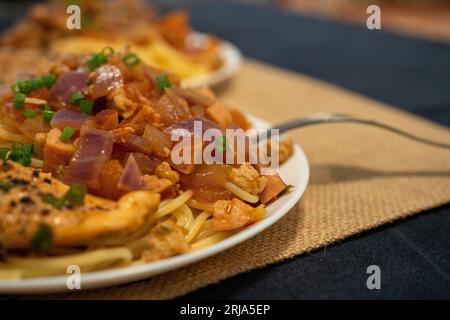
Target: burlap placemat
{"x": 361, "y": 178}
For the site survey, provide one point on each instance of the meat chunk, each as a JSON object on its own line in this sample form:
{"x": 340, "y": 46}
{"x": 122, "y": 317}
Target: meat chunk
{"x": 39, "y": 143}
{"x": 235, "y": 214}
{"x": 119, "y": 100}
{"x": 220, "y": 114}
{"x": 163, "y": 186}
{"x": 145, "y": 115}
{"x": 285, "y": 149}
{"x": 248, "y": 179}
{"x": 56, "y": 152}
{"x": 163, "y": 170}
{"x": 165, "y": 240}
{"x": 275, "y": 185}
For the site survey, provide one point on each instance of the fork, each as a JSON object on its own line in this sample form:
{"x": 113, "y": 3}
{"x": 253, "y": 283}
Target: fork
{"x": 320, "y": 118}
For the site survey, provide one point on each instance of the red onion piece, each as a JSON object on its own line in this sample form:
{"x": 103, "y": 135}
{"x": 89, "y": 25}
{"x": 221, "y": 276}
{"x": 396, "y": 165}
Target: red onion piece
{"x": 94, "y": 150}
{"x": 147, "y": 146}
{"x": 66, "y": 85}
{"x": 131, "y": 178}
{"x": 68, "y": 118}
{"x": 186, "y": 128}
{"x": 146, "y": 164}
{"x": 107, "y": 79}
{"x": 158, "y": 139}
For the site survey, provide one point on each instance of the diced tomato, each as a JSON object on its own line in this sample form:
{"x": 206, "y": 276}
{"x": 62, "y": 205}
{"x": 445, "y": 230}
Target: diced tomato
{"x": 108, "y": 179}
{"x": 107, "y": 119}
{"x": 275, "y": 185}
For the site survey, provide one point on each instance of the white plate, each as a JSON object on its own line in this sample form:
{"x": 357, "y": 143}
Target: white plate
{"x": 231, "y": 58}
{"x": 295, "y": 171}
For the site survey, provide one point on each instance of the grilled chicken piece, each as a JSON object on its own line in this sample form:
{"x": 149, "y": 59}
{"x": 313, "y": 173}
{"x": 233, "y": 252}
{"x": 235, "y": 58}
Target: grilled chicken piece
{"x": 22, "y": 210}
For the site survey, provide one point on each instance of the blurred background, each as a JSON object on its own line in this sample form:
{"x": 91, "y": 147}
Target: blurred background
{"x": 422, "y": 18}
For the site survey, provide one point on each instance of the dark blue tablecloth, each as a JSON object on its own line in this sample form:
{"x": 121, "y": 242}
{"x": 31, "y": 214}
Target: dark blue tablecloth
{"x": 414, "y": 255}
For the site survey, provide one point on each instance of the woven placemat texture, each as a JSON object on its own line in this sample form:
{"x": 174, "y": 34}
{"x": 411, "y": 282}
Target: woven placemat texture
{"x": 361, "y": 178}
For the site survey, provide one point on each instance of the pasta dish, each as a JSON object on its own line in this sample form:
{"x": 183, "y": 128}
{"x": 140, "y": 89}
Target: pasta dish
{"x": 86, "y": 174}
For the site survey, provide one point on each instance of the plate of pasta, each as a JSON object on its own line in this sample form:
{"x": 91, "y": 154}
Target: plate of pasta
{"x": 166, "y": 41}
{"x": 91, "y": 177}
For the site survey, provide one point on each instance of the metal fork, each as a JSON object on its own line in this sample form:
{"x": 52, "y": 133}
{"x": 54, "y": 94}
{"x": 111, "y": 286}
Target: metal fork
{"x": 318, "y": 118}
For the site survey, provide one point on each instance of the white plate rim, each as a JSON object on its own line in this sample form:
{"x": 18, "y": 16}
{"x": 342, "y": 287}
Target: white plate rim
{"x": 231, "y": 58}
{"x": 104, "y": 278}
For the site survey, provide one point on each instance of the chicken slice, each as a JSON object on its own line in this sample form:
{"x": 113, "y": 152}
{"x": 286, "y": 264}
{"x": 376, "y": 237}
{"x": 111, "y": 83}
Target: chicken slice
{"x": 23, "y": 210}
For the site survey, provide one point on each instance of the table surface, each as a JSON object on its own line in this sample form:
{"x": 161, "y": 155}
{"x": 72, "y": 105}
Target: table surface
{"x": 411, "y": 74}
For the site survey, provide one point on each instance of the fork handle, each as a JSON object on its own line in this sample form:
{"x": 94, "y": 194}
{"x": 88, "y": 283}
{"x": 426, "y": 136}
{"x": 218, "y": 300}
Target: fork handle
{"x": 318, "y": 118}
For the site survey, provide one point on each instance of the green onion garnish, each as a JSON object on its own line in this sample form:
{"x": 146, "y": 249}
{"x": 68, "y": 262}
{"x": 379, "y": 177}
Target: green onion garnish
{"x": 86, "y": 107}
{"x": 37, "y": 83}
{"x": 96, "y": 60}
{"x": 56, "y": 202}
{"x": 163, "y": 81}
{"x": 4, "y": 152}
{"x": 76, "y": 97}
{"x": 75, "y": 195}
{"x": 25, "y": 86}
{"x": 15, "y": 87}
{"x": 48, "y": 80}
{"x": 43, "y": 238}
{"x": 66, "y": 134}
{"x": 131, "y": 59}
{"x": 47, "y": 115}
{"x": 19, "y": 100}
{"x": 108, "y": 51}
{"x": 29, "y": 113}
{"x": 21, "y": 154}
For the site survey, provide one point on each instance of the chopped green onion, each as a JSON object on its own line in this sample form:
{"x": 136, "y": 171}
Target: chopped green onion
{"x": 163, "y": 81}
{"x": 29, "y": 113}
{"x": 47, "y": 115}
{"x": 48, "y": 80}
{"x": 96, "y": 60}
{"x": 19, "y": 100}
{"x": 131, "y": 59}
{"x": 108, "y": 51}
{"x": 25, "y": 86}
{"x": 56, "y": 202}
{"x": 76, "y": 97}
{"x": 37, "y": 83}
{"x": 43, "y": 238}
{"x": 86, "y": 107}
{"x": 75, "y": 195}
{"x": 66, "y": 134}
{"x": 45, "y": 107}
{"x": 4, "y": 152}
{"x": 21, "y": 154}
{"x": 15, "y": 87}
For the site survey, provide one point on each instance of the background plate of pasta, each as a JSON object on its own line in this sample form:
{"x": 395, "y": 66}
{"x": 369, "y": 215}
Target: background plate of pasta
{"x": 166, "y": 41}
